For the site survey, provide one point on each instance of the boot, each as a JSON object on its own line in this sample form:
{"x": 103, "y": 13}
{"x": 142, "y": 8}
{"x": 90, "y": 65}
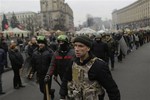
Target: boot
{"x": 52, "y": 94}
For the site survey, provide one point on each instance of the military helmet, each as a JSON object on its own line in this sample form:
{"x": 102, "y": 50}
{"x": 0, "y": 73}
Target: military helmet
{"x": 41, "y": 39}
{"x": 63, "y": 38}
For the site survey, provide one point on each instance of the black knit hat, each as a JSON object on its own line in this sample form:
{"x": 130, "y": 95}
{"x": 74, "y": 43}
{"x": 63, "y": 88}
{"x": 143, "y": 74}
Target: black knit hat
{"x": 84, "y": 39}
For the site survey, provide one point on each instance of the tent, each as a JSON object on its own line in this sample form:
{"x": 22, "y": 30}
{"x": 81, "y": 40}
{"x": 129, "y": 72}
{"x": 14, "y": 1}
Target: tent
{"x": 19, "y": 31}
{"x": 42, "y": 32}
{"x": 8, "y": 31}
{"x": 86, "y": 31}
{"x": 12, "y": 31}
{"x": 101, "y": 31}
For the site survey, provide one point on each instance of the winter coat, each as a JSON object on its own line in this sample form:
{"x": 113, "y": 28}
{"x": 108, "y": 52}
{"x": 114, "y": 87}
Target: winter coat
{"x": 31, "y": 49}
{"x": 41, "y": 61}
{"x": 16, "y": 58}
{"x": 2, "y": 60}
{"x": 4, "y": 46}
{"x": 100, "y": 50}
{"x": 60, "y": 61}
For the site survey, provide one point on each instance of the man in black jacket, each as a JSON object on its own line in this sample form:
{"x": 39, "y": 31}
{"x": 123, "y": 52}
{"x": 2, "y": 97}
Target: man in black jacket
{"x": 88, "y": 75}
{"x": 17, "y": 61}
{"x": 61, "y": 59}
{"x": 4, "y": 46}
{"x": 40, "y": 61}
{"x": 100, "y": 49}
{"x": 2, "y": 63}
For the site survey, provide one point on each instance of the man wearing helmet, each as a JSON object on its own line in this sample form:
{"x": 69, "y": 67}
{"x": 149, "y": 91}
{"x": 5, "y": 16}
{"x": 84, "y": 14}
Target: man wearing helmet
{"x": 61, "y": 59}
{"x": 40, "y": 61}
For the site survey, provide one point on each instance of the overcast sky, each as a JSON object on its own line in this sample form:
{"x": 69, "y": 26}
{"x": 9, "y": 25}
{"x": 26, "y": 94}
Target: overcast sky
{"x": 96, "y": 8}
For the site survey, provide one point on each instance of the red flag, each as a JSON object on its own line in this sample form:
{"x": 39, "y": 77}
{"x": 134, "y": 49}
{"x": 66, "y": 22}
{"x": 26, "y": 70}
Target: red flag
{"x": 19, "y": 26}
{"x": 6, "y": 26}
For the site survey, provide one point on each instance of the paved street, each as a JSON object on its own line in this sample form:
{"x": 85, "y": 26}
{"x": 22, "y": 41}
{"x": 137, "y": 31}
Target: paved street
{"x": 132, "y": 77}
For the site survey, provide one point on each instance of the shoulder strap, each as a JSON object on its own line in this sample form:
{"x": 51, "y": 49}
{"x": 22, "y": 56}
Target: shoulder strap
{"x": 99, "y": 59}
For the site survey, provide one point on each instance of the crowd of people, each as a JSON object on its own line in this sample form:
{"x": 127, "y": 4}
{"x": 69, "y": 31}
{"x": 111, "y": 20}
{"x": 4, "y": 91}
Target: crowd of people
{"x": 82, "y": 62}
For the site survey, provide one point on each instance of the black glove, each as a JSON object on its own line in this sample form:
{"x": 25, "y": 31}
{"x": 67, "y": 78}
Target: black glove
{"x": 47, "y": 78}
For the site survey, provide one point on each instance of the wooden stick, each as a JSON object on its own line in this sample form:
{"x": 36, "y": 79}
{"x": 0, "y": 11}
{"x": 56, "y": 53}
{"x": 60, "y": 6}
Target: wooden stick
{"x": 47, "y": 92}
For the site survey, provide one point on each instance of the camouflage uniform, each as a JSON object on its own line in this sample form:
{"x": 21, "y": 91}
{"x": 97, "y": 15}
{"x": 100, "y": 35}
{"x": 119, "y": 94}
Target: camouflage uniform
{"x": 81, "y": 88}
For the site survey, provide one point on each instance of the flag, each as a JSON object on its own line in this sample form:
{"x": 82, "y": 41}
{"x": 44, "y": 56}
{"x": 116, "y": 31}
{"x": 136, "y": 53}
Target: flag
{"x": 20, "y": 26}
{"x": 4, "y": 23}
{"x": 6, "y": 26}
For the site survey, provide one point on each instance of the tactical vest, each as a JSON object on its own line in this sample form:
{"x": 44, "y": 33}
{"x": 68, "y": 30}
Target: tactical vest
{"x": 81, "y": 88}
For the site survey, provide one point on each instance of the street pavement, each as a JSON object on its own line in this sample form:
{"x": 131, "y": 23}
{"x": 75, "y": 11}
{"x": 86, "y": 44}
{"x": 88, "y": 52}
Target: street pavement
{"x": 131, "y": 76}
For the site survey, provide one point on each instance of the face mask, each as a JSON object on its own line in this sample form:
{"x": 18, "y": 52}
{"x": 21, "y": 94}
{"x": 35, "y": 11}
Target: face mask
{"x": 63, "y": 47}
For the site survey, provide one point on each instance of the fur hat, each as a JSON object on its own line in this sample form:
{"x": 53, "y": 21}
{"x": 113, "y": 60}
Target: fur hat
{"x": 84, "y": 39}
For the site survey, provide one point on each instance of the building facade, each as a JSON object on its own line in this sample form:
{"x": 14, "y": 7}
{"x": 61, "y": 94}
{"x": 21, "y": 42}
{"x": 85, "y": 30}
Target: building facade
{"x": 28, "y": 20}
{"x": 56, "y": 14}
{"x": 134, "y": 16}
